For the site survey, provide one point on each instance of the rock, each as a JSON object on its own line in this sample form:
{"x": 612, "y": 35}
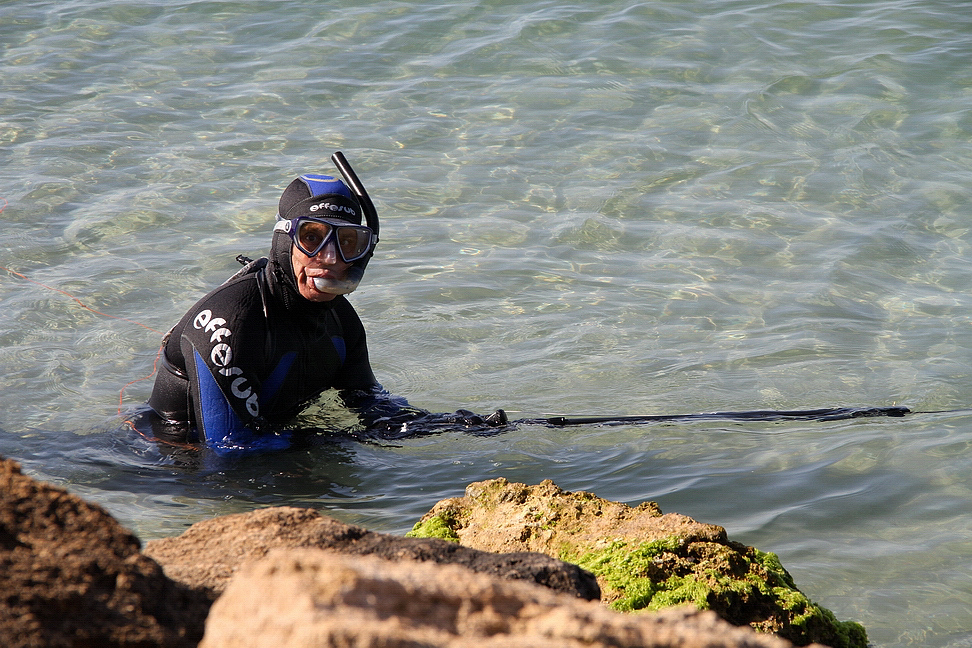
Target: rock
{"x": 209, "y": 552}
{"x": 72, "y": 576}
{"x": 642, "y": 558}
{"x": 308, "y": 598}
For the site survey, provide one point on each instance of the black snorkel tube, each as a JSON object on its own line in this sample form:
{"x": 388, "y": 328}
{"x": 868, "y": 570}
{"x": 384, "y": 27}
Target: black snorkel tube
{"x": 368, "y": 207}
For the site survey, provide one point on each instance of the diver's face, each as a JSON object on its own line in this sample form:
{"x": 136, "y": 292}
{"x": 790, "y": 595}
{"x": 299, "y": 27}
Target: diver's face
{"x": 327, "y": 263}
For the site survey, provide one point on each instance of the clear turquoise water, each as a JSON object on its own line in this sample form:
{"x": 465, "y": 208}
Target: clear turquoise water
{"x": 588, "y": 208}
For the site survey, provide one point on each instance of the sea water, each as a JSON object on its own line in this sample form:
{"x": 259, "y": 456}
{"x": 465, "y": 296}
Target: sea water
{"x": 598, "y": 208}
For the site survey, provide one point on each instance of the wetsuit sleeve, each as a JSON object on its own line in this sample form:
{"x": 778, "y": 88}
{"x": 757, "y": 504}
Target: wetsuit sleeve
{"x": 391, "y": 417}
{"x": 379, "y": 410}
{"x": 382, "y": 414}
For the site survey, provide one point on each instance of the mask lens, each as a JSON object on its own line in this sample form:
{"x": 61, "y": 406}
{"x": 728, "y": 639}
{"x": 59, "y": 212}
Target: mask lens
{"x": 353, "y": 240}
{"x": 311, "y": 236}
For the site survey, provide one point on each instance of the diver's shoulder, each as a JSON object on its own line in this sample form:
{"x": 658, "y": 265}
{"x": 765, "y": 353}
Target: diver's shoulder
{"x": 239, "y": 293}
{"x": 236, "y": 285}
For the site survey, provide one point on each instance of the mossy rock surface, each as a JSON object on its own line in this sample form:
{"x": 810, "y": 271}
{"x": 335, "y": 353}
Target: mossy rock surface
{"x": 643, "y": 559}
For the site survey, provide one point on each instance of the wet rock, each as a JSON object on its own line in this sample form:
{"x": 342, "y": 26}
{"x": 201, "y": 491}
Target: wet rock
{"x": 642, "y": 558}
{"x": 209, "y": 552}
{"x": 307, "y": 598}
{"x": 72, "y": 576}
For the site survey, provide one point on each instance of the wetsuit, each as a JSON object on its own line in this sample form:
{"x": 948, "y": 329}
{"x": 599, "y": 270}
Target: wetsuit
{"x": 248, "y": 355}
{"x": 252, "y": 353}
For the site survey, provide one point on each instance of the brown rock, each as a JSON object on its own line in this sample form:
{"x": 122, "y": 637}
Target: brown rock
{"x": 498, "y": 515}
{"x": 306, "y": 598}
{"x": 643, "y": 559}
{"x": 209, "y": 552}
{"x": 72, "y": 576}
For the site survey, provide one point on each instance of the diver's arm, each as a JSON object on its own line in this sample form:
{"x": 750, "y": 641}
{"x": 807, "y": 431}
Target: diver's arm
{"x": 379, "y": 410}
{"x": 382, "y": 414}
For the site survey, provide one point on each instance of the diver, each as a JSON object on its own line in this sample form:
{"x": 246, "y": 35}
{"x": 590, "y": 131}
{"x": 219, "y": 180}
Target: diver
{"x": 251, "y": 354}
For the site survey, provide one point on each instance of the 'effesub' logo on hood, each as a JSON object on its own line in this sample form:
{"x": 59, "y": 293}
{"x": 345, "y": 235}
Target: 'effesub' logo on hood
{"x": 331, "y": 207}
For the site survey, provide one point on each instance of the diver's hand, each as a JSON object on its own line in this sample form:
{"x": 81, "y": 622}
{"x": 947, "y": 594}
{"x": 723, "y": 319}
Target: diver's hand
{"x": 415, "y": 424}
{"x": 495, "y": 419}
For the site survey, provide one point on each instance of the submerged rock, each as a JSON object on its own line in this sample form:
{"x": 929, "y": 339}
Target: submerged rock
{"x": 310, "y": 599}
{"x": 72, "y": 576}
{"x": 208, "y": 554}
{"x": 642, "y": 558}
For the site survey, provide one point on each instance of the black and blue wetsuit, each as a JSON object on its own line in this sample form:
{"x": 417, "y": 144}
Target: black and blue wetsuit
{"x": 252, "y": 353}
{"x": 248, "y": 356}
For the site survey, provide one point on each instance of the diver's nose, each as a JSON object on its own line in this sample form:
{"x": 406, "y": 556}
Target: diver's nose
{"x": 329, "y": 254}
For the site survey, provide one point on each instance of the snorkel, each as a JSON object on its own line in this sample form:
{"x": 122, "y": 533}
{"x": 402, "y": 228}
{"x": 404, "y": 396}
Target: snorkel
{"x": 344, "y": 286}
{"x": 368, "y": 207}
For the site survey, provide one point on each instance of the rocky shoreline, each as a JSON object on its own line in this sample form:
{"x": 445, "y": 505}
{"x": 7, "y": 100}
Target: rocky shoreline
{"x": 505, "y": 565}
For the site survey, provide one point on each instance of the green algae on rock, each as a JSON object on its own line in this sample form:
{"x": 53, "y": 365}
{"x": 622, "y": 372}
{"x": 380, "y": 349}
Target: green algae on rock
{"x": 643, "y": 560}
{"x": 441, "y": 525}
{"x": 743, "y": 585}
